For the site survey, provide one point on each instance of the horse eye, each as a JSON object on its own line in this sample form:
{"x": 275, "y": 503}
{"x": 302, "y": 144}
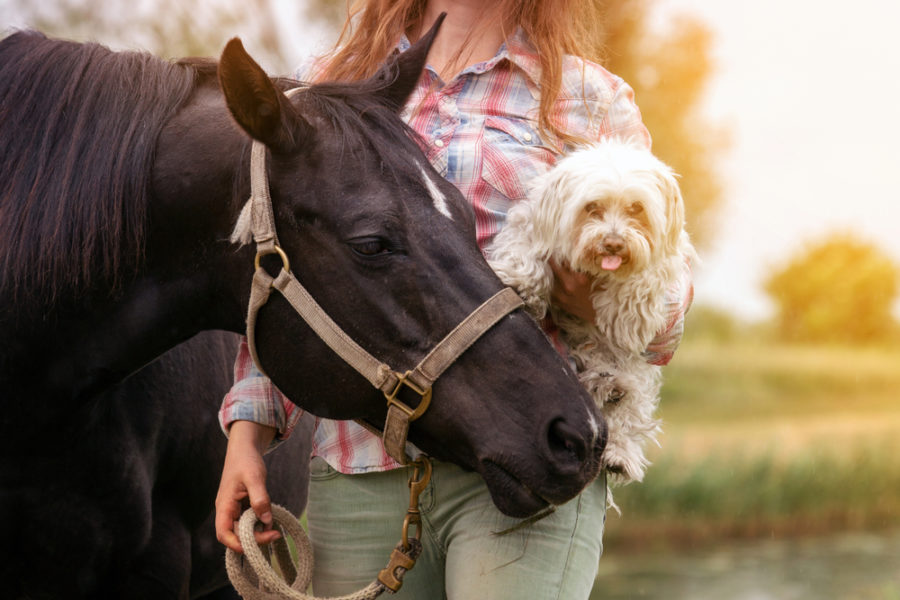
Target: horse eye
{"x": 370, "y": 247}
{"x": 635, "y": 209}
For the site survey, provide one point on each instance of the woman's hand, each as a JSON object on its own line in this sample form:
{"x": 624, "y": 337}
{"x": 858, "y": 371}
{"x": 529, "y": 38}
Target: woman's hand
{"x": 572, "y": 292}
{"x": 244, "y": 476}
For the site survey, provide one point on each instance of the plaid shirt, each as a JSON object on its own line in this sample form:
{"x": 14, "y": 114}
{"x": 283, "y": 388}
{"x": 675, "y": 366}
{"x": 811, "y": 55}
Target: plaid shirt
{"x": 479, "y": 131}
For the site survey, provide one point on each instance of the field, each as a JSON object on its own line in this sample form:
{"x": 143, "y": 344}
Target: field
{"x": 767, "y": 440}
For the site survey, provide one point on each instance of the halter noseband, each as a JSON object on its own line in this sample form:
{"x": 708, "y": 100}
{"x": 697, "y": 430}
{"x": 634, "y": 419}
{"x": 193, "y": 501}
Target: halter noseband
{"x": 390, "y": 382}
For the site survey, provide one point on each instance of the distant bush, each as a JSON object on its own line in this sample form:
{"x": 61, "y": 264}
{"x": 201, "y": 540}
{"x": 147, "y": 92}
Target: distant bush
{"x": 840, "y": 290}
{"x": 708, "y": 323}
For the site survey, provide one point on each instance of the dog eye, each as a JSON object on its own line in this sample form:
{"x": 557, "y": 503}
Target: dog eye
{"x": 594, "y": 208}
{"x": 635, "y": 209}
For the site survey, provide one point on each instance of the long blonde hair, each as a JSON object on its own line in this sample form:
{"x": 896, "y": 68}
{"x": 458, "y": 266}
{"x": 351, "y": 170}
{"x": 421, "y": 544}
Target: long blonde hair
{"x": 554, "y": 27}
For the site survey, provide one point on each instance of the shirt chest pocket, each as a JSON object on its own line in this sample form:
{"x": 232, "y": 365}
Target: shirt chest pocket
{"x": 512, "y": 155}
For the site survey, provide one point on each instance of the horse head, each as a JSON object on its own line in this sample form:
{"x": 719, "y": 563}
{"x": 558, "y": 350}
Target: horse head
{"x": 388, "y": 247}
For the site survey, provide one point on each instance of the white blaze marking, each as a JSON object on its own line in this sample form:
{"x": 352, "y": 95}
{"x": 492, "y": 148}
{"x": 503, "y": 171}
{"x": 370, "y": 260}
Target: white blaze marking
{"x": 440, "y": 201}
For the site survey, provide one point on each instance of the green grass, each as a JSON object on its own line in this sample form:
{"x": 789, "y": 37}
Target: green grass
{"x": 722, "y": 382}
{"x": 765, "y": 439}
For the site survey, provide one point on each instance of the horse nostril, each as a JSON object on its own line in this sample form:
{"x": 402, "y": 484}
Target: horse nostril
{"x": 567, "y": 446}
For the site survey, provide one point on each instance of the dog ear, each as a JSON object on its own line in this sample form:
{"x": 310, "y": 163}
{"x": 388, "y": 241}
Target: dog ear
{"x": 550, "y": 221}
{"x": 668, "y": 184}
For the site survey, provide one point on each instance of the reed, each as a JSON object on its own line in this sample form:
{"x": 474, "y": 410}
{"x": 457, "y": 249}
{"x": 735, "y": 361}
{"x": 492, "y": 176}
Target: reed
{"x": 765, "y": 439}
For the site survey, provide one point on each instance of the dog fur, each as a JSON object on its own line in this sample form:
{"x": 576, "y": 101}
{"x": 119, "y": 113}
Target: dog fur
{"x": 613, "y": 211}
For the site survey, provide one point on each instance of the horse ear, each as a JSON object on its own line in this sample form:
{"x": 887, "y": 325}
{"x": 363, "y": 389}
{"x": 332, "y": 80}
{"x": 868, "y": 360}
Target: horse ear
{"x": 405, "y": 68}
{"x": 255, "y": 103}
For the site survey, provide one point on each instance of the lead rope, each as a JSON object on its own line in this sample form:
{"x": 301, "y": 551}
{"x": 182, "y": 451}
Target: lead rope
{"x": 254, "y": 577}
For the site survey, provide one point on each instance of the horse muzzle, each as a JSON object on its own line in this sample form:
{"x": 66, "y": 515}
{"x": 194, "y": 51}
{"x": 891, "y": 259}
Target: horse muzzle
{"x": 566, "y": 460}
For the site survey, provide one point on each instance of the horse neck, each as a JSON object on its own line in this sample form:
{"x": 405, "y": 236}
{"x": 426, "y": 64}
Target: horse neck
{"x": 99, "y": 341}
{"x": 192, "y": 280}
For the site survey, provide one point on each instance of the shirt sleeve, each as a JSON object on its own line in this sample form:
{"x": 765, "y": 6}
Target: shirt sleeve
{"x": 254, "y": 397}
{"x": 623, "y": 117}
{"x": 679, "y": 297}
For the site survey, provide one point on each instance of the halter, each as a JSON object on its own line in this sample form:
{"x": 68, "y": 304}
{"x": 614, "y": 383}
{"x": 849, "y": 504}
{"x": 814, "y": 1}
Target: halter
{"x": 390, "y": 382}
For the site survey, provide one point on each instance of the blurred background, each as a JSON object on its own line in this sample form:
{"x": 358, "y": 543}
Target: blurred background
{"x": 778, "y": 475}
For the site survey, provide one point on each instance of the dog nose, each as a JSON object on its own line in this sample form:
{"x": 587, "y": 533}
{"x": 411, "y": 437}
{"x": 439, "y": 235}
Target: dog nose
{"x": 613, "y": 244}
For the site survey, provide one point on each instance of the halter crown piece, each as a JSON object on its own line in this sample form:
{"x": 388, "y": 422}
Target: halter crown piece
{"x": 390, "y": 382}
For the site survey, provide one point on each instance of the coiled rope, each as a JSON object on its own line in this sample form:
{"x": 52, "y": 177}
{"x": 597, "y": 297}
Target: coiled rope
{"x": 254, "y": 577}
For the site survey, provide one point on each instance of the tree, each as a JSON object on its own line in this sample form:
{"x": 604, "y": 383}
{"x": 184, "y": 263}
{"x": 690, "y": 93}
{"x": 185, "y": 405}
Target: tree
{"x": 838, "y": 290}
{"x": 167, "y": 28}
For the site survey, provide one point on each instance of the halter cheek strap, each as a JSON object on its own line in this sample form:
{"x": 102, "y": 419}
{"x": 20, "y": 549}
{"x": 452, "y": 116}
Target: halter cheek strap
{"x": 380, "y": 375}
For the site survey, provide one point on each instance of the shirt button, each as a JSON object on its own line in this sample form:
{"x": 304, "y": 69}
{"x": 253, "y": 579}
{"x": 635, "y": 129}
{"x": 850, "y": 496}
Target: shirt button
{"x": 439, "y": 143}
{"x": 527, "y": 137}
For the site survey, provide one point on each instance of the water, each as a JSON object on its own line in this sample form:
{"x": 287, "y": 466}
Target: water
{"x": 860, "y": 566}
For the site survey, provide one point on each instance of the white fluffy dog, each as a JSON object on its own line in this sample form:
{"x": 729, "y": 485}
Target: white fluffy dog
{"x": 614, "y": 212}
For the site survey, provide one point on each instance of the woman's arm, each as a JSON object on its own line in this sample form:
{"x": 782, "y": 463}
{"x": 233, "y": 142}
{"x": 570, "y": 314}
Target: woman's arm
{"x": 254, "y": 397}
{"x": 679, "y": 297}
{"x": 244, "y": 477}
{"x": 254, "y": 416}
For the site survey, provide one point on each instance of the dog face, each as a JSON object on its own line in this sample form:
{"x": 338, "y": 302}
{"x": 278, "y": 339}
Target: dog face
{"x": 621, "y": 208}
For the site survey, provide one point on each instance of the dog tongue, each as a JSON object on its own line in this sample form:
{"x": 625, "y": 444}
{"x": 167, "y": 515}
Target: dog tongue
{"x": 611, "y": 263}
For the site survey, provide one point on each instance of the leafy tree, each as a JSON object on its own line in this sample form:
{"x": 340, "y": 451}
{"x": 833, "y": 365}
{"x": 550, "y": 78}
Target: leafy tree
{"x": 839, "y": 290}
{"x": 168, "y": 28}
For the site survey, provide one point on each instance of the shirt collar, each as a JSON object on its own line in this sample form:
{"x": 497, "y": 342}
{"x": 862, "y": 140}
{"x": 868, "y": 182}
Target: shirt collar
{"x": 518, "y": 50}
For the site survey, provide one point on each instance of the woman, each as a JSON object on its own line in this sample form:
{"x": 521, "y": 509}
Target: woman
{"x": 503, "y": 95}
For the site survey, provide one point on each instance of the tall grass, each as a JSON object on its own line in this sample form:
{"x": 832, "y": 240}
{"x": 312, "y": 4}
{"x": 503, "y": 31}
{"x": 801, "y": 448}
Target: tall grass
{"x": 767, "y": 440}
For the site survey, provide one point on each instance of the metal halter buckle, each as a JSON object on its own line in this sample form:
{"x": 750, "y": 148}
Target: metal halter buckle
{"x": 412, "y": 414}
{"x": 276, "y": 249}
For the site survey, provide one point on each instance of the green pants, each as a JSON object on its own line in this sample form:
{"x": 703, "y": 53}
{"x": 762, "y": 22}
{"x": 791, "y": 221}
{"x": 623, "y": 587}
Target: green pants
{"x": 355, "y": 522}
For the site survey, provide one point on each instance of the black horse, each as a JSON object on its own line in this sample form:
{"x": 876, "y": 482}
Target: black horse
{"x": 121, "y": 179}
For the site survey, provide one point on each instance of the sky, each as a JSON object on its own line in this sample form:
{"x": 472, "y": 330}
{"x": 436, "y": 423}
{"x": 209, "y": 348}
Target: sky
{"x": 810, "y": 91}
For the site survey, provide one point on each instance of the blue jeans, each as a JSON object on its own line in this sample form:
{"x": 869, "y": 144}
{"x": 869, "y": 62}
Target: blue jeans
{"x": 355, "y": 522}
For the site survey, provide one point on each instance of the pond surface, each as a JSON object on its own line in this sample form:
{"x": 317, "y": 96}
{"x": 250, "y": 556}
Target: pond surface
{"x": 863, "y": 566}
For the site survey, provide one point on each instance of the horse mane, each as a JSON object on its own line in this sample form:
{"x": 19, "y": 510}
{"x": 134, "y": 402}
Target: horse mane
{"x": 364, "y": 120}
{"x": 78, "y": 131}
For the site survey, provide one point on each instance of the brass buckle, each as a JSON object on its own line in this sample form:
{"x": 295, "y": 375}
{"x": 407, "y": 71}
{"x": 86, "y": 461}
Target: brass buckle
{"x": 285, "y": 263}
{"x": 417, "y": 485}
{"x": 412, "y": 414}
{"x": 403, "y": 558}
